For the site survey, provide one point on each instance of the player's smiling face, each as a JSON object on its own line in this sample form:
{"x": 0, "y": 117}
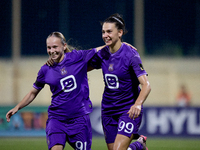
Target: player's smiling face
{"x": 55, "y": 48}
{"x": 110, "y": 34}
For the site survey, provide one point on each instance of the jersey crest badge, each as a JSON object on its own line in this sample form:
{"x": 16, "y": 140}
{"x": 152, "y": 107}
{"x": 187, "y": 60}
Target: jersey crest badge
{"x": 63, "y": 71}
{"x": 110, "y": 68}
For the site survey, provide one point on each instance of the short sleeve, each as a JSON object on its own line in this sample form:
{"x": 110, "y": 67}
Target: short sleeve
{"x": 88, "y": 54}
{"x": 39, "y": 83}
{"x": 95, "y": 62}
{"x": 137, "y": 66}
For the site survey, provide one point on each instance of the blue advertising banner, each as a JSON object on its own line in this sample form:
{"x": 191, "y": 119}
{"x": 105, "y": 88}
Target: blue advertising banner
{"x": 157, "y": 121}
{"x": 171, "y": 121}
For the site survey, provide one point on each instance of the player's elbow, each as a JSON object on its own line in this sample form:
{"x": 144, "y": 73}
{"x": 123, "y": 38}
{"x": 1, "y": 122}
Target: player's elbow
{"x": 148, "y": 86}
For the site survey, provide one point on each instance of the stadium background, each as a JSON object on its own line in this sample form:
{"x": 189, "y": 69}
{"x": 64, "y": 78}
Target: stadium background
{"x": 169, "y": 44}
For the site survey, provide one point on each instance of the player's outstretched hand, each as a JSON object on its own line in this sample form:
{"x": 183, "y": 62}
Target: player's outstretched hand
{"x": 11, "y": 113}
{"x": 134, "y": 111}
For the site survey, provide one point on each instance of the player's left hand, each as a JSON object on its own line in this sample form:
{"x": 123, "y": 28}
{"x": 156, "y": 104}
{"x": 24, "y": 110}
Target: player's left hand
{"x": 134, "y": 111}
{"x": 50, "y": 61}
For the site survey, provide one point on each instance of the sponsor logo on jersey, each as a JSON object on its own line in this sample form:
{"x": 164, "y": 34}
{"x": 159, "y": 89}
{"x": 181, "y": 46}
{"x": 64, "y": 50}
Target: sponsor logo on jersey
{"x": 112, "y": 81}
{"x": 68, "y": 83}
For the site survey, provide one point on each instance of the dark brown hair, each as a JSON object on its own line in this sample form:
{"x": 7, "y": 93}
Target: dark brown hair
{"x": 118, "y": 20}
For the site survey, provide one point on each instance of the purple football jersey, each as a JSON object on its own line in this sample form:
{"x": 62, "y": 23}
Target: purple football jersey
{"x": 120, "y": 71}
{"x": 69, "y": 85}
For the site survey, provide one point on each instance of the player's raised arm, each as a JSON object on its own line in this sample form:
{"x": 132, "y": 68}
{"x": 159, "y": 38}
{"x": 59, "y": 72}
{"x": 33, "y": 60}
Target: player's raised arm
{"x": 100, "y": 47}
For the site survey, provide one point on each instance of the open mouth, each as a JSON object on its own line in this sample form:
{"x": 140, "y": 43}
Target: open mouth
{"x": 53, "y": 55}
{"x": 107, "y": 41}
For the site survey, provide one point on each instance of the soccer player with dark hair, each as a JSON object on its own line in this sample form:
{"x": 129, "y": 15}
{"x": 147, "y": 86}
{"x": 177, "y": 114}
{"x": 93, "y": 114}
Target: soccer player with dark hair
{"x": 122, "y": 103}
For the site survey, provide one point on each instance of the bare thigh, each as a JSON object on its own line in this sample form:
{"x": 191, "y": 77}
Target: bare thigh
{"x": 110, "y": 146}
{"x": 57, "y": 147}
{"x": 122, "y": 142}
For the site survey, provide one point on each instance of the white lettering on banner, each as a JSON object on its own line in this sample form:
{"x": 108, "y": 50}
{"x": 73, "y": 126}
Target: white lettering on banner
{"x": 155, "y": 120}
{"x": 193, "y": 128}
{"x": 159, "y": 121}
{"x": 177, "y": 120}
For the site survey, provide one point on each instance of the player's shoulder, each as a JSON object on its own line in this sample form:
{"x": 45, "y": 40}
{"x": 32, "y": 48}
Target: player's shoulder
{"x": 129, "y": 51}
{"x": 73, "y": 54}
{"x": 44, "y": 68}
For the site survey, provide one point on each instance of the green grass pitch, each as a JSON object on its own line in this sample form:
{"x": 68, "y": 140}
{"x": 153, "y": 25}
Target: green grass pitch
{"x": 39, "y": 143}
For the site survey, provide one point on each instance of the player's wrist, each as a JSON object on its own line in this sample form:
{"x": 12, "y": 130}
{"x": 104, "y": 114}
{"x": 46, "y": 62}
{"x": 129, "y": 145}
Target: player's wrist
{"x": 139, "y": 102}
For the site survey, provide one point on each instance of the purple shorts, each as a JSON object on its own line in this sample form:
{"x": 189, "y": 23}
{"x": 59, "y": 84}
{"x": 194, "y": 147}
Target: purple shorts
{"x": 120, "y": 124}
{"x": 77, "y": 132}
